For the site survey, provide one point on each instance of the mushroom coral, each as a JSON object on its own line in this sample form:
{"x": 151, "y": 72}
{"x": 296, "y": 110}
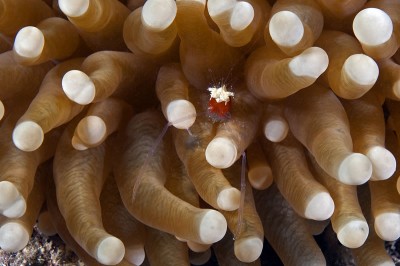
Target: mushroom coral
{"x": 111, "y": 139}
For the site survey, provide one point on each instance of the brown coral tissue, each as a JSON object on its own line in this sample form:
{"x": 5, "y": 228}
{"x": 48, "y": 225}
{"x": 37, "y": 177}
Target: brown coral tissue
{"x": 191, "y": 132}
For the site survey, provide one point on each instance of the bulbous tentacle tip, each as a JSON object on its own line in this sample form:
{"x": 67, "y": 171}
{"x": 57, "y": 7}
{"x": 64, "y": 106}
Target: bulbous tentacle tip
{"x": 13, "y": 237}
{"x": 387, "y": 226}
{"x": 78, "y": 87}
{"x": 383, "y": 163}
{"x": 229, "y": 199}
{"x": 320, "y": 207}
{"x": 248, "y": 249}
{"x": 372, "y": 26}
{"x": 29, "y": 42}
{"x": 74, "y": 8}
{"x": 110, "y": 251}
{"x": 221, "y": 152}
{"x": 212, "y": 227}
{"x": 28, "y": 136}
{"x": 353, "y": 234}
{"x": 355, "y": 169}
{"x": 135, "y": 255}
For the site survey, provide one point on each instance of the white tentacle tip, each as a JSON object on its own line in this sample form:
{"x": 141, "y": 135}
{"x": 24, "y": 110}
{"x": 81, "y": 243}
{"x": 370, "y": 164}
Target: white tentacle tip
{"x": 353, "y": 234}
{"x": 355, "y": 169}
{"x": 361, "y": 69}
{"x": 383, "y": 163}
{"x": 372, "y": 26}
{"x": 229, "y": 199}
{"x": 74, "y": 8}
{"x": 28, "y": 136}
{"x": 286, "y": 28}
{"x": 78, "y": 87}
{"x": 276, "y": 130}
{"x": 221, "y": 152}
{"x": 110, "y": 251}
{"x": 13, "y": 237}
{"x": 320, "y": 207}
{"x": 242, "y": 16}
{"x": 181, "y": 114}
{"x": 12, "y": 204}
{"x": 135, "y": 254}
{"x": 159, "y": 14}
{"x": 387, "y": 226}
{"x": 91, "y": 130}
{"x": 212, "y": 227}
{"x": 29, "y": 42}
{"x": 248, "y": 249}
{"x": 312, "y": 62}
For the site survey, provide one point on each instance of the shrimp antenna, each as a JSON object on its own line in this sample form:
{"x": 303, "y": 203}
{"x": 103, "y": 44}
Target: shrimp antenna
{"x": 154, "y": 148}
{"x": 242, "y": 196}
{"x": 148, "y": 156}
{"x": 212, "y": 77}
